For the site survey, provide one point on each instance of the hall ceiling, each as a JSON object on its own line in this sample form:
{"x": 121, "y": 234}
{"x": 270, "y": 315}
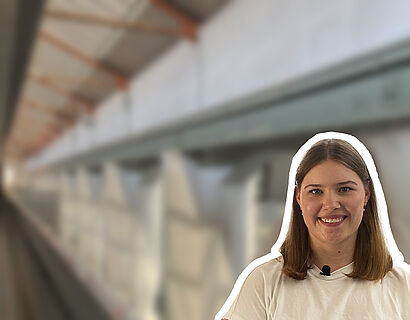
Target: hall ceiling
{"x": 86, "y": 49}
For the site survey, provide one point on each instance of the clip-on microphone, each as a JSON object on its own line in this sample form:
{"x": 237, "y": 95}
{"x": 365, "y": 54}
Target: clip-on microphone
{"x": 325, "y": 270}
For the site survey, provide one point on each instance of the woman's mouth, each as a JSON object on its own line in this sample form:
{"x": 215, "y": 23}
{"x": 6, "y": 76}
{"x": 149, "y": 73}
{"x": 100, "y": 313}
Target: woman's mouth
{"x": 332, "y": 221}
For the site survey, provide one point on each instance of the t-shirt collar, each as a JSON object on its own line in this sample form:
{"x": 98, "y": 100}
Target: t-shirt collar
{"x": 337, "y": 274}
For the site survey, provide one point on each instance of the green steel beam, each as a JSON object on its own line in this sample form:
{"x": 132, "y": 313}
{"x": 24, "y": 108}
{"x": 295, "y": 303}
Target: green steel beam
{"x": 367, "y": 91}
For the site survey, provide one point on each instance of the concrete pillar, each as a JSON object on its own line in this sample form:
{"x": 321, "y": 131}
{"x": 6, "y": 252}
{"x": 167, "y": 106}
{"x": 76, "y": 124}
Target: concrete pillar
{"x": 87, "y": 218}
{"x": 67, "y": 207}
{"x": 120, "y": 222}
{"x": 242, "y": 190}
{"x": 391, "y": 152}
{"x": 132, "y": 233}
{"x": 196, "y": 263}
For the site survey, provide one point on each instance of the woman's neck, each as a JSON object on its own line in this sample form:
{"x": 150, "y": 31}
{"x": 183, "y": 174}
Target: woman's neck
{"x": 336, "y": 256}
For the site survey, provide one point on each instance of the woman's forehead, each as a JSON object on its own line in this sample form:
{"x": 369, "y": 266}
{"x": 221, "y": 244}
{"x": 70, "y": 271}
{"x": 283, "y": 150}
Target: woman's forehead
{"x": 330, "y": 171}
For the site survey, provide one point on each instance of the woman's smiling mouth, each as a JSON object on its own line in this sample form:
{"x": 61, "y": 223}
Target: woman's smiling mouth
{"x": 332, "y": 221}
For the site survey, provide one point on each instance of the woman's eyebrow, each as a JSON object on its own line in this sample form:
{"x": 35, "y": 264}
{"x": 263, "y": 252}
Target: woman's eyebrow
{"x": 337, "y": 184}
{"x": 313, "y": 185}
{"x": 346, "y": 182}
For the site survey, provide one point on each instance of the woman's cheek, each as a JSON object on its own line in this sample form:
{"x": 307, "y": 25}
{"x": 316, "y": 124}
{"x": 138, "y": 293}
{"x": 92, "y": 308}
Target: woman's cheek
{"x": 355, "y": 203}
{"x": 311, "y": 207}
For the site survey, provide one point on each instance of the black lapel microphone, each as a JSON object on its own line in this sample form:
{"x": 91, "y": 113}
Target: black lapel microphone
{"x": 325, "y": 270}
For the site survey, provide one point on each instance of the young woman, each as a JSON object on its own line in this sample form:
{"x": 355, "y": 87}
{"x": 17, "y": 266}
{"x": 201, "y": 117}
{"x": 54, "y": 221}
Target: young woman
{"x": 335, "y": 257}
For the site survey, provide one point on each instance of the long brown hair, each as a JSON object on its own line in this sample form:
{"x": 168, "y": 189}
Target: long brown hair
{"x": 372, "y": 260}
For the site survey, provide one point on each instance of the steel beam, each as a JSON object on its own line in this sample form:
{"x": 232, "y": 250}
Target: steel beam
{"x": 114, "y": 23}
{"x": 88, "y": 107}
{"x": 48, "y": 122}
{"x": 90, "y": 83}
{"x": 62, "y": 116}
{"x": 120, "y": 80}
{"x": 366, "y": 92}
{"x": 189, "y": 26}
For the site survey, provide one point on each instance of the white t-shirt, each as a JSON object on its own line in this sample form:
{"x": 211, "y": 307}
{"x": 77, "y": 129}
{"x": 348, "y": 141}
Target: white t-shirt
{"x": 268, "y": 294}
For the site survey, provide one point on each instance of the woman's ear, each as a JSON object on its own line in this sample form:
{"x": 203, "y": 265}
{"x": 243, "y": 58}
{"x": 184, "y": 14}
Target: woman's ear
{"x": 367, "y": 193}
{"x": 297, "y": 195}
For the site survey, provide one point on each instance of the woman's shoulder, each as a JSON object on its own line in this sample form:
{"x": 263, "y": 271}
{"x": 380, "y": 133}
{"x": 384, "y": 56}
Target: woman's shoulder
{"x": 274, "y": 263}
{"x": 398, "y": 280}
{"x": 266, "y": 268}
{"x": 401, "y": 272}
{"x": 249, "y": 297}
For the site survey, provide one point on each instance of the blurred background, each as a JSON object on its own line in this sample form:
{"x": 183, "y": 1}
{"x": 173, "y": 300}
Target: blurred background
{"x": 145, "y": 144}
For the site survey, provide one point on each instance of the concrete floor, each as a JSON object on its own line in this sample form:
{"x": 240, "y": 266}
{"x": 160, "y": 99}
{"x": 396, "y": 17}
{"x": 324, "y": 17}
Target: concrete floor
{"x": 34, "y": 283}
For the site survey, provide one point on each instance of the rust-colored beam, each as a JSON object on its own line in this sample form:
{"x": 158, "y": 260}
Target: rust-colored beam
{"x": 189, "y": 26}
{"x": 90, "y": 83}
{"x": 37, "y": 145}
{"x": 88, "y": 107}
{"x": 19, "y": 143}
{"x": 32, "y": 128}
{"x": 56, "y": 122}
{"x": 31, "y": 147}
{"x": 120, "y": 80}
{"x": 62, "y": 116}
{"x": 44, "y": 136}
{"x": 48, "y": 124}
{"x": 16, "y": 142}
{"x": 22, "y": 145}
{"x": 39, "y": 115}
{"x": 14, "y": 152}
{"x": 39, "y": 134}
{"x": 114, "y": 23}
{"x": 48, "y": 108}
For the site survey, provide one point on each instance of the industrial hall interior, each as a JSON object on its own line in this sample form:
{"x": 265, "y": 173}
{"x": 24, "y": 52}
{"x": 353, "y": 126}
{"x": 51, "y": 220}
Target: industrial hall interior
{"x": 146, "y": 144}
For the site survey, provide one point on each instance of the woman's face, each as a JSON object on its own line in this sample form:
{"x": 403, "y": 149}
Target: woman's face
{"x": 332, "y": 198}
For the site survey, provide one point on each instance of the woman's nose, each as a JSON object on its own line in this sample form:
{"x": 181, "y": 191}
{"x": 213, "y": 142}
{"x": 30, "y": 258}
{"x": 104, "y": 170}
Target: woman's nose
{"x": 330, "y": 201}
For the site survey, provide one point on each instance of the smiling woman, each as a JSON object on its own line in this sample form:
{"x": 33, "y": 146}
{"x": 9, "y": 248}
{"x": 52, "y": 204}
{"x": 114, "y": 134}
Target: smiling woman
{"x": 335, "y": 257}
{"x": 333, "y": 188}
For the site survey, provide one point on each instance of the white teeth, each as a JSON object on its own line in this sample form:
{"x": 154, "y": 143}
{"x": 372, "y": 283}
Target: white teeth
{"x": 332, "y": 220}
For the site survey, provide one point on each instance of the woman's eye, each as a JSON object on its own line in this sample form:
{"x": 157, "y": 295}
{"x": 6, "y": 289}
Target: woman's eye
{"x": 315, "y": 191}
{"x": 345, "y": 189}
